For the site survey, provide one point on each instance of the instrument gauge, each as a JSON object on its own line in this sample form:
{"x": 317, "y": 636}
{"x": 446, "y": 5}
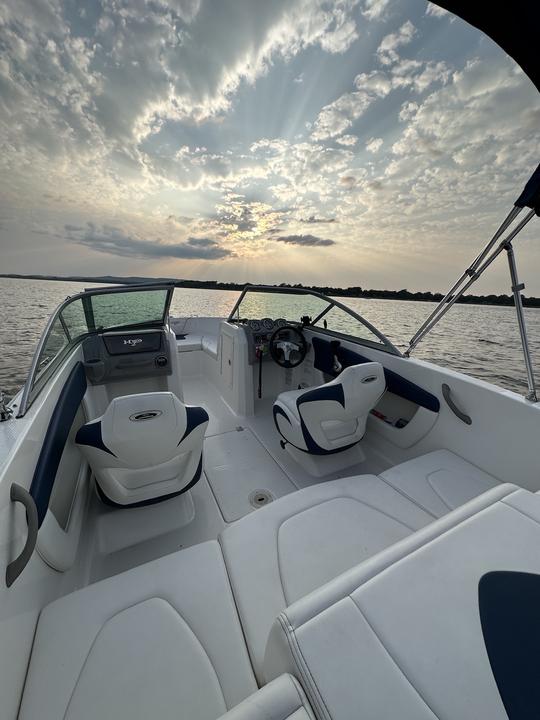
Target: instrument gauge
{"x": 280, "y": 322}
{"x": 254, "y": 325}
{"x": 267, "y": 323}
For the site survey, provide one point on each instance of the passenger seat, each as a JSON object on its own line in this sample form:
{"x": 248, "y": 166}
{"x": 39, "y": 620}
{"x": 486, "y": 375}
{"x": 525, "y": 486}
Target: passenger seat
{"x": 160, "y": 641}
{"x": 298, "y": 543}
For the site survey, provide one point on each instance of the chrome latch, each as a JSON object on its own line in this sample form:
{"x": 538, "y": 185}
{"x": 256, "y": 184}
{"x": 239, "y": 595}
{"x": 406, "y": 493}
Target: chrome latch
{"x": 5, "y": 411}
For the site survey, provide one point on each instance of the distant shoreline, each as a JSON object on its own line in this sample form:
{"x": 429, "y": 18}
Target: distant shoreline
{"x": 355, "y": 292}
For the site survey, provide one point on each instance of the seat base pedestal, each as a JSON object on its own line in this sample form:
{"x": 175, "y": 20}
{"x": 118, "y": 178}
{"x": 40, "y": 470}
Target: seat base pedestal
{"x": 322, "y": 465}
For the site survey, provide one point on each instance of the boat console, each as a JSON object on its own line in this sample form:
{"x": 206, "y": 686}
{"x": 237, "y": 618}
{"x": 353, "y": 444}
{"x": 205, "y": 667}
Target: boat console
{"x": 123, "y": 355}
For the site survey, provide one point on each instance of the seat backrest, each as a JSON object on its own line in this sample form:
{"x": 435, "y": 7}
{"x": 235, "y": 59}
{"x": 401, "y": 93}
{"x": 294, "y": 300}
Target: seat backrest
{"x": 144, "y": 428}
{"x": 362, "y": 386}
{"x": 343, "y": 403}
{"x": 145, "y": 446}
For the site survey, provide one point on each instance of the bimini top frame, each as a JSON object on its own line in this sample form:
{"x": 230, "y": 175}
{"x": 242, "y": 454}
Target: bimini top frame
{"x": 35, "y": 384}
{"x": 388, "y": 345}
{"x": 530, "y": 197}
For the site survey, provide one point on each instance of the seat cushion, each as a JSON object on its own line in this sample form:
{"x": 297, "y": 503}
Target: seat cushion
{"x": 406, "y": 634}
{"x": 439, "y": 481}
{"x": 162, "y": 640}
{"x": 297, "y": 543}
{"x": 189, "y": 343}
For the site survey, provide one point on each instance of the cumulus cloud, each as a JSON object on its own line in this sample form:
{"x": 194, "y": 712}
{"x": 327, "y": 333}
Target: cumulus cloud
{"x": 114, "y": 241}
{"x": 374, "y": 145}
{"x": 347, "y": 140}
{"x": 387, "y": 50}
{"x": 375, "y": 9}
{"x": 309, "y": 240}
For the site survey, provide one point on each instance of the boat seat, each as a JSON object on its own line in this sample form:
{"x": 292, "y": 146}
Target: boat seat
{"x": 332, "y": 417}
{"x": 160, "y": 641}
{"x": 299, "y": 542}
{"x": 442, "y": 625}
{"x": 189, "y": 342}
{"x": 439, "y": 481}
{"x": 145, "y": 448}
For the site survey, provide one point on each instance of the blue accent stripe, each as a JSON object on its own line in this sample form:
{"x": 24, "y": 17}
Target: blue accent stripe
{"x": 326, "y": 392}
{"x": 90, "y": 435}
{"x": 195, "y": 416}
{"x": 55, "y": 439}
{"x": 395, "y": 383}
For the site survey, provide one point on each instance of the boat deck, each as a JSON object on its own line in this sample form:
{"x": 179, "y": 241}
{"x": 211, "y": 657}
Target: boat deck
{"x": 244, "y": 467}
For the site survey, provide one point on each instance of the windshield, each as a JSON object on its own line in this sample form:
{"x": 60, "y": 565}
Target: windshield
{"x": 255, "y": 305}
{"x": 312, "y": 308}
{"x": 94, "y": 310}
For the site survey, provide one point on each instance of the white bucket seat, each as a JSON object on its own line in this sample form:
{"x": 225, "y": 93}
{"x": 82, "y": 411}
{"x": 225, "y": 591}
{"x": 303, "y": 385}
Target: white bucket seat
{"x": 330, "y": 418}
{"x": 144, "y": 448}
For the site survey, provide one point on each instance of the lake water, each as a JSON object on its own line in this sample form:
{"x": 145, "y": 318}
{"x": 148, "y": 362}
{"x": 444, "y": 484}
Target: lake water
{"x": 482, "y": 341}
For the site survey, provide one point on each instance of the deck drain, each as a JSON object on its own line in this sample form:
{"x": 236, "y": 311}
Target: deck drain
{"x": 258, "y": 498}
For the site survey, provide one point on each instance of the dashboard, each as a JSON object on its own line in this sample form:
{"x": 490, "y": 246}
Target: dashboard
{"x": 259, "y": 332}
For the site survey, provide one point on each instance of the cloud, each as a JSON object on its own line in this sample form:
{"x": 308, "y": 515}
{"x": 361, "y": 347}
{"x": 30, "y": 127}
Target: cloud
{"x": 387, "y": 50}
{"x": 114, "y": 241}
{"x": 375, "y": 9}
{"x": 374, "y": 145}
{"x": 347, "y": 140}
{"x": 308, "y": 240}
{"x": 436, "y": 10}
{"x": 313, "y": 220}
{"x": 201, "y": 242}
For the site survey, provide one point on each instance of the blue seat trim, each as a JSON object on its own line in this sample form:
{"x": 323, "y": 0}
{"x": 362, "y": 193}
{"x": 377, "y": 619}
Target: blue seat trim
{"x": 90, "y": 435}
{"x": 395, "y": 383}
{"x": 326, "y": 392}
{"x": 55, "y": 439}
{"x": 195, "y": 416}
{"x": 153, "y": 501}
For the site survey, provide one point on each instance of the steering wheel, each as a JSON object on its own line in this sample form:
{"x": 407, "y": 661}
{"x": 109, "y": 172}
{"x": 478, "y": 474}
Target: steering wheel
{"x": 285, "y": 352}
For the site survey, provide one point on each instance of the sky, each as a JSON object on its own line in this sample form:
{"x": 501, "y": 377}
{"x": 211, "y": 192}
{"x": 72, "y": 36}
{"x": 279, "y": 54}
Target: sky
{"x": 373, "y": 143}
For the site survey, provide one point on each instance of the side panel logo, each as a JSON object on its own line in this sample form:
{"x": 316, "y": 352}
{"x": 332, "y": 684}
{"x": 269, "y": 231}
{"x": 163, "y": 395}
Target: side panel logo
{"x": 133, "y": 341}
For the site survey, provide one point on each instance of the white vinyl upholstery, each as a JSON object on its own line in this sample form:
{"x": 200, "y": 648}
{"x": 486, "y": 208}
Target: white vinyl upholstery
{"x": 331, "y": 417}
{"x": 439, "y": 481}
{"x": 145, "y": 447}
{"x": 281, "y": 699}
{"x": 299, "y": 542}
{"x": 400, "y": 635}
{"x": 159, "y": 641}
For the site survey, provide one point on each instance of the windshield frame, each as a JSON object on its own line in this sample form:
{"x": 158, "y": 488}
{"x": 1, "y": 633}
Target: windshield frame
{"x": 33, "y": 386}
{"x": 387, "y": 345}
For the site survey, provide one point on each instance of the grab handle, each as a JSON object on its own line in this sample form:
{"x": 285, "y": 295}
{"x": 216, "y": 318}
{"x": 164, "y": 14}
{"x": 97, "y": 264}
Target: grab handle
{"x": 447, "y": 395}
{"x": 15, "y": 567}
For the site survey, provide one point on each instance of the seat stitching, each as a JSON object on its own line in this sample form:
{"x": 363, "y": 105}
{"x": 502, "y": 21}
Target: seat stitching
{"x": 432, "y": 486}
{"x": 300, "y": 698}
{"x": 407, "y": 496}
{"x": 129, "y": 607}
{"x": 303, "y": 667}
{"x": 391, "y": 657}
{"x": 318, "y": 504}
